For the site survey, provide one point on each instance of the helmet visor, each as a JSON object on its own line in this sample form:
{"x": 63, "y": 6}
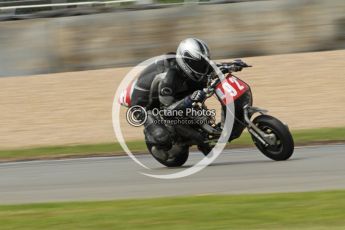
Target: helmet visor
{"x": 200, "y": 66}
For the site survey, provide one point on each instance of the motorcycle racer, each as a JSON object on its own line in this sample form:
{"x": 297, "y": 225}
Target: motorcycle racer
{"x": 175, "y": 83}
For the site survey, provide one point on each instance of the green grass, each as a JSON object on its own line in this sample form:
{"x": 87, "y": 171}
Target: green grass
{"x": 300, "y": 136}
{"x": 66, "y": 151}
{"x": 312, "y": 210}
{"x": 305, "y": 136}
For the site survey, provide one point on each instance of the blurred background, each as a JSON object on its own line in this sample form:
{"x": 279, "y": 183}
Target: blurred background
{"x": 61, "y": 61}
{"x": 41, "y": 36}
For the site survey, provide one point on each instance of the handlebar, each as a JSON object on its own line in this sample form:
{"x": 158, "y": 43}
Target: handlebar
{"x": 228, "y": 66}
{"x": 212, "y": 86}
{"x": 210, "y": 89}
{"x": 231, "y": 65}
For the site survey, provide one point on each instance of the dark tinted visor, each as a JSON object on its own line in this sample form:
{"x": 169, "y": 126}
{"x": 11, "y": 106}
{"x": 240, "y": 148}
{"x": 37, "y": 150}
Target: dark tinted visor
{"x": 200, "y": 66}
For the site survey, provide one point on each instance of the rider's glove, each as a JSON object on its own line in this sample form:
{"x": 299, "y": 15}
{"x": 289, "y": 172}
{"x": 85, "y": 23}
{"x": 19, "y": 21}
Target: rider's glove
{"x": 198, "y": 96}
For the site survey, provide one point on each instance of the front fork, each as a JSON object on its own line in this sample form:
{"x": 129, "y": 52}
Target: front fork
{"x": 265, "y": 138}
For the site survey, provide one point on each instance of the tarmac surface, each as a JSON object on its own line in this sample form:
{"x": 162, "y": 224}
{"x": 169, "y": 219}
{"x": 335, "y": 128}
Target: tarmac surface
{"x": 236, "y": 171}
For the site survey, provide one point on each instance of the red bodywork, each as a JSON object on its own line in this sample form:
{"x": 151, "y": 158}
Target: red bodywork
{"x": 230, "y": 89}
{"x": 125, "y": 97}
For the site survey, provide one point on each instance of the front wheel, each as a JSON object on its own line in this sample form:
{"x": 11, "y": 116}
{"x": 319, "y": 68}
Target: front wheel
{"x": 284, "y": 144}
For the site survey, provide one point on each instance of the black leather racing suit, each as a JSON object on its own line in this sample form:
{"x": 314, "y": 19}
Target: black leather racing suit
{"x": 164, "y": 85}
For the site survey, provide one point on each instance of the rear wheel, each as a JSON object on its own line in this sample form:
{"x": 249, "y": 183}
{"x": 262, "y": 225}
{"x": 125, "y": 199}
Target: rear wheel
{"x": 283, "y": 147}
{"x": 177, "y": 155}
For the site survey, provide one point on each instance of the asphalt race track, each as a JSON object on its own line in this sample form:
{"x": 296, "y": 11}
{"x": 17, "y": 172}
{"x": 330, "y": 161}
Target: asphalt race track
{"x": 235, "y": 171}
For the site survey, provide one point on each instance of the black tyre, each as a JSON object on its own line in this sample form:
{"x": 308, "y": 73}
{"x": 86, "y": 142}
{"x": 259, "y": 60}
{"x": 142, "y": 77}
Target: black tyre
{"x": 284, "y": 146}
{"x": 175, "y": 159}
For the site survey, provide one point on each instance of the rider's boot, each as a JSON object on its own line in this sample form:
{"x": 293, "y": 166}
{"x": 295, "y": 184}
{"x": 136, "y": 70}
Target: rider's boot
{"x": 159, "y": 153}
{"x": 205, "y": 148}
{"x": 157, "y": 135}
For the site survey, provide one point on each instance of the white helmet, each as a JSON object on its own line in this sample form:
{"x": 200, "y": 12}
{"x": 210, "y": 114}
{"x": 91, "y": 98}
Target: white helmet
{"x": 192, "y": 57}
